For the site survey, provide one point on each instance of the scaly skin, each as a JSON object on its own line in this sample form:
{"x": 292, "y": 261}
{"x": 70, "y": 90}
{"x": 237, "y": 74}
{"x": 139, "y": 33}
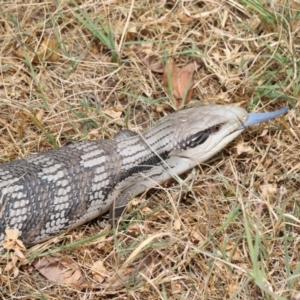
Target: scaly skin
{"x": 47, "y": 193}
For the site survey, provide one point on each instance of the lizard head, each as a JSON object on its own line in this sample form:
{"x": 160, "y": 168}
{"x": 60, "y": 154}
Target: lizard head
{"x": 204, "y": 131}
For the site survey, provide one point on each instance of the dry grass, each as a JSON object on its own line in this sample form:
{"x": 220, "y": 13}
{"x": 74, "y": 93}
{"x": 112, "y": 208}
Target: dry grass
{"x": 235, "y": 234}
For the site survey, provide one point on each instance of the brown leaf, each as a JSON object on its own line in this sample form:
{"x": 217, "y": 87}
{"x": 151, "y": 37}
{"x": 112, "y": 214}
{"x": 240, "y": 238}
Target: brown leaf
{"x": 179, "y": 81}
{"x": 243, "y": 148}
{"x": 9, "y": 267}
{"x": 177, "y": 224}
{"x": 231, "y": 250}
{"x": 11, "y": 241}
{"x": 131, "y": 275}
{"x": 152, "y": 62}
{"x": 19, "y": 254}
{"x": 38, "y": 49}
{"x": 60, "y": 269}
{"x": 113, "y": 112}
{"x": 135, "y": 229}
{"x": 145, "y": 210}
{"x": 121, "y": 277}
{"x": 176, "y": 288}
{"x": 232, "y": 288}
{"x": 99, "y": 271}
{"x": 40, "y": 114}
{"x": 184, "y": 18}
{"x": 47, "y": 50}
{"x": 268, "y": 190}
{"x": 131, "y": 34}
{"x": 196, "y": 236}
{"x": 12, "y": 234}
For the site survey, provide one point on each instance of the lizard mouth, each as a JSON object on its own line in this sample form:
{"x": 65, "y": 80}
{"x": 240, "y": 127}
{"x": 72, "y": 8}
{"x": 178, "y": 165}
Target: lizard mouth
{"x": 256, "y": 118}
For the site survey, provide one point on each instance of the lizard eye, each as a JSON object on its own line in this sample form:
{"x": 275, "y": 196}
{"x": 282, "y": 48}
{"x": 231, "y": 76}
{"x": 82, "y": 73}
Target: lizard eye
{"x": 215, "y": 128}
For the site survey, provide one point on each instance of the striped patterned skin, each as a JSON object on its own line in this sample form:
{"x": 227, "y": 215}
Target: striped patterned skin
{"x": 49, "y": 192}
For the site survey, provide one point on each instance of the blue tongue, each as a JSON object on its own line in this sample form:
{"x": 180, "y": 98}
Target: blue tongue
{"x": 256, "y": 118}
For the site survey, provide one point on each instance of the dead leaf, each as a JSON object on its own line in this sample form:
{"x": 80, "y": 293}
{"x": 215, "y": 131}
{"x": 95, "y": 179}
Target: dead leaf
{"x": 131, "y": 275}
{"x": 11, "y": 241}
{"x": 94, "y": 133}
{"x": 202, "y": 15}
{"x": 265, "y": 132}
{"x": 38, "y": 49}
{"x": 151, "y": 61}
{"x": 12, "y": 269}
{"x": 12, "y": 234}
{"x": 265, "y": 137}
{"x": 40, "y": 114}
{"x": 295, "y": 5}
{"x": 184, "y": 18}
{"x": 119, "y": 108}
{"x": 232, "y": 288}
{"x": 177, "y": 224}
{"x": 47, "y": 50}
{"x": 268, "y": 190}
{"x": 113, "y": 112}
{"x": 243, "y": 148}
{"x": 135, "y": 201}
{"x": 160, "y": 107}
{"x": 268, "y": 164}
{"x": 131, "y": 34}
{"x": 60, "y": 269}
{"x": 196, "y": 236}
{"x": 99, "y": 271}
{"x": 9, "y": 267}
{"x": 179, "y": 82}
{"x": 121, "y": 277}
{"x": 231, "y": 250}
{"x": 145, "y": 210}
{"x": 176, "y": 288}
{"x": 19, "y": 254}
{"x": 135, "y": 229}
{"x": 20, "y": 130}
